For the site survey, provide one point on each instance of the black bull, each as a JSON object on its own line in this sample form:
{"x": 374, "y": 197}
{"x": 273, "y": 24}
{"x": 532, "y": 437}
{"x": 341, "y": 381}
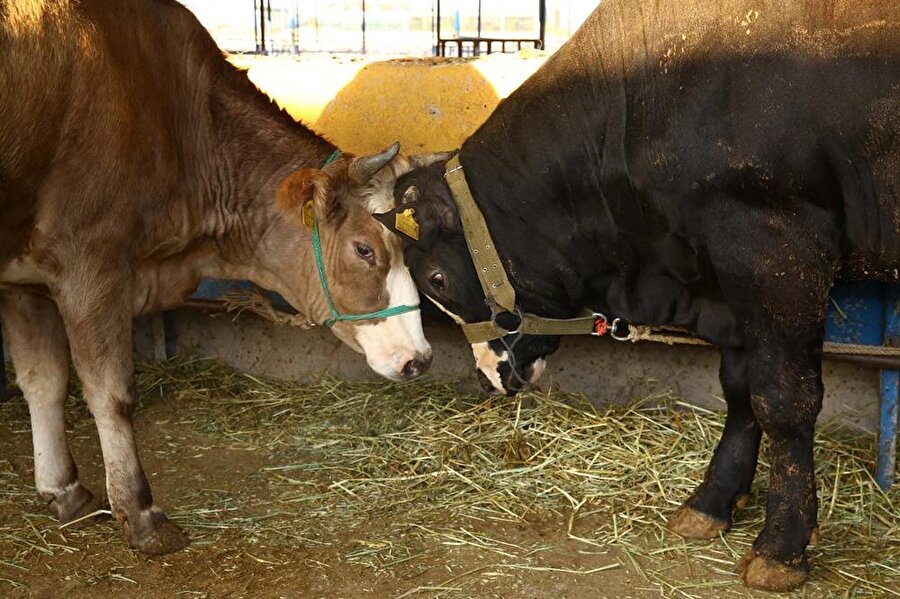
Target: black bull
{"x": 699, "y": 165}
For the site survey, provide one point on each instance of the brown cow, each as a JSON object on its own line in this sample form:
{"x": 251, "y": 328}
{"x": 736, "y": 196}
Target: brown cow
{"x": 134, "y": 160}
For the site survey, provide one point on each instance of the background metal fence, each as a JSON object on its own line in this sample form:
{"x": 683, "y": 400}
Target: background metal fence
{"x": 381, "y": 27}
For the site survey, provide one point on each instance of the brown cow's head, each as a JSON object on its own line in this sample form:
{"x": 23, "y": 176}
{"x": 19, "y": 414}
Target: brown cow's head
{"x": 363, "y": 262}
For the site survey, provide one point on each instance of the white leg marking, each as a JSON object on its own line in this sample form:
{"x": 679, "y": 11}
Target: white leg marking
{"x": 53, "y": 466}
{"x": 38, "y": 347}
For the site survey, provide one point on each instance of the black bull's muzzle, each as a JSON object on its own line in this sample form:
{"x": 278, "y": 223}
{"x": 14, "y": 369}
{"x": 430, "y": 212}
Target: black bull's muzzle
{"x": 514, "y": 363}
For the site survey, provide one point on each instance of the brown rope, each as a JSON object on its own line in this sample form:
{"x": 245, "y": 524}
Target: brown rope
{"x": 255, "y": 302}
{"x": 672, "y": 337}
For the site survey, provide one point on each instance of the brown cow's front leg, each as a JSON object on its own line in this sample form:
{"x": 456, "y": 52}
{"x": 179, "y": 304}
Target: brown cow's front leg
{"x": 726, "y": 484}
{"x": 95, "y": 306}
{"x": 37, "y": 344}
{"x": 786, "y": 396}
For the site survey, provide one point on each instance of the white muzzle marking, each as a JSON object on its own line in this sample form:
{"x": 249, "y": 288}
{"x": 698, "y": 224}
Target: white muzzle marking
{"x": 488, "y": 362}
{"x": 390, "y": 344}
{"x": 537, "y": 369}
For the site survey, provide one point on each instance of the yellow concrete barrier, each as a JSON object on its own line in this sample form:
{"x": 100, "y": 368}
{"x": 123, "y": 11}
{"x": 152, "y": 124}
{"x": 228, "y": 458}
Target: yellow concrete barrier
{"x": 363, "y": 105}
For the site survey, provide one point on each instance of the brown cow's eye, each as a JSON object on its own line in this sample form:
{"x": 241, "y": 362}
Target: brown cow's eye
{"x": 365, "y": 252}
{"x": 437, "y": 281}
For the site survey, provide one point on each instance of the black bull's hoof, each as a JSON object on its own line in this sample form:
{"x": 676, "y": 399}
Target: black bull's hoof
{"x": 767, "y": 574}
{"x": 692, "y": 524}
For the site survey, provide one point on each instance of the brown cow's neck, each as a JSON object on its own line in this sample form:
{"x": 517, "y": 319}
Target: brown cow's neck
{"x": 254, "y": 146}
{"x": 242, "y": 147}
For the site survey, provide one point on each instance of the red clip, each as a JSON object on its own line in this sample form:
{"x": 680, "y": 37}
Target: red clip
{"x": 601, "y": 325}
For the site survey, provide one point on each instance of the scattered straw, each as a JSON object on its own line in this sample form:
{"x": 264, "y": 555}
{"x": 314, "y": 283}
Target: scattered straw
{"x": 442, "y": 468}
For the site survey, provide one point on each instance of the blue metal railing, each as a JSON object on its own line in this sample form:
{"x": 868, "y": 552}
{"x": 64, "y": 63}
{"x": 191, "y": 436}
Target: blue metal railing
{"x": 867, "y": 313}
{"x": 887, "y": 430}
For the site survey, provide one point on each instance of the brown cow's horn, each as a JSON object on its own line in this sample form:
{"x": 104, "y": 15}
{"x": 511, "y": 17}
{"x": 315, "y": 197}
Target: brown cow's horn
{"x": 365, "y": 167}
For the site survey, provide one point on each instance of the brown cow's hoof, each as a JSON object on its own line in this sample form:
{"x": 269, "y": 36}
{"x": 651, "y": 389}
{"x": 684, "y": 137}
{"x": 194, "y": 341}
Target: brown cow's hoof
{"x": 693, "y": 524}
{"x": 75, "y": 503}
{"x": 154, "y": 534}
{"x": 766, "y": 574}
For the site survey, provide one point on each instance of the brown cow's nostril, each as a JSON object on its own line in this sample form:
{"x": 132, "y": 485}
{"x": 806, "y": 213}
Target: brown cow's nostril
{"x": 416, "y": 367}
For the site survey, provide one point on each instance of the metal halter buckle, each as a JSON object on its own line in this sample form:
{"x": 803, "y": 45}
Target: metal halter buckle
{"x": 614, "y": 330}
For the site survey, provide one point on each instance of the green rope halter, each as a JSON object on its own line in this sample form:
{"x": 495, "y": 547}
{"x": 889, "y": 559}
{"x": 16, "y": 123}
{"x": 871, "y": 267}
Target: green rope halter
{"x": 320, "y": 266}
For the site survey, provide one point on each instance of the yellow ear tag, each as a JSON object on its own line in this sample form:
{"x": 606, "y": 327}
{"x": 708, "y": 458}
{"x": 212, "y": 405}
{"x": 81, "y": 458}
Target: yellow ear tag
{"x": 308, "y": 215}
{"x": 406, "y": 224}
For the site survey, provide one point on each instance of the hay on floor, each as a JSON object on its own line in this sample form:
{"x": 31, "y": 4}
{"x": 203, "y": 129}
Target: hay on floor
{"x": 439, "y": 464}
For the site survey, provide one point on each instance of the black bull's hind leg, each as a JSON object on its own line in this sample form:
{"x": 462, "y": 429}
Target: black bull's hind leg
{"x": 775, "y": 268}
{"x": 726, "y": 484}
{"x": 786, "y": 401}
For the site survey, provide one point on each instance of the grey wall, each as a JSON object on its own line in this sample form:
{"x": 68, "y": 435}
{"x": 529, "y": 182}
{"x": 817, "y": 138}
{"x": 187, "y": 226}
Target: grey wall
{"x": 603, "y": 369}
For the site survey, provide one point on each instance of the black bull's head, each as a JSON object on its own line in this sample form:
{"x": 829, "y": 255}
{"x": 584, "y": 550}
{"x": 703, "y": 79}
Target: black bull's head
{"x": 427, "y": 220}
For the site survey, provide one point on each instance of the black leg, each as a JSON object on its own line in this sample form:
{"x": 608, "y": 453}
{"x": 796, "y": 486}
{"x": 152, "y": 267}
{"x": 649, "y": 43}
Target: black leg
{"x": 774, "y": 260}
{"x": 786, "y": 400}
{"x": 727, "y": 481}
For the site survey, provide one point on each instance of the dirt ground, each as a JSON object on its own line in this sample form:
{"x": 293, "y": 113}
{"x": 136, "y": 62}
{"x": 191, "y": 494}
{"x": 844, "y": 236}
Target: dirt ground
{"x": 223, "y": 491}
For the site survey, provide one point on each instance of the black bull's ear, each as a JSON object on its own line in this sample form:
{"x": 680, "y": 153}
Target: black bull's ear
{"x": 412, "y": 221}
{"x": 418, "y": 219}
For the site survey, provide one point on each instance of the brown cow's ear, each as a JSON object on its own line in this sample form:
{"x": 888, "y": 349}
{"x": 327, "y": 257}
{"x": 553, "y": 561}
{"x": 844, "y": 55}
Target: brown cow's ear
{"x": 306, "y": 194}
